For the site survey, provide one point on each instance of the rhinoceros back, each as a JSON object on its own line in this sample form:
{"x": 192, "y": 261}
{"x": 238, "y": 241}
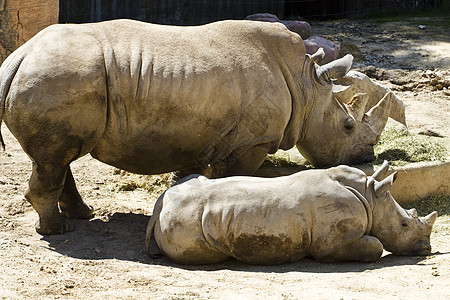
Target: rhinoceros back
{"x": 257, "y": 220}
{"x": 151, "y": 98}
{"x": 174, "y": 92}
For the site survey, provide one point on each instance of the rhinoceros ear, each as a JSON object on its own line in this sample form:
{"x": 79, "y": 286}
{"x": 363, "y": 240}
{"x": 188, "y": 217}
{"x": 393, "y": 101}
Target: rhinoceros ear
{"x": 335, "y": 69}
{"x": 381, "y": 171}
{"x": 380, "y": 188}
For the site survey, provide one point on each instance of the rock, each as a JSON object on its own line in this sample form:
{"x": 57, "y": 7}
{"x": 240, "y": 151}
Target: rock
{"x": 264, "y": 17}
{"x": 331, "y": 49}
{"x": 348, "y": 47}
{"x": 21, "y": 20}
{"x": 300, "y": 27}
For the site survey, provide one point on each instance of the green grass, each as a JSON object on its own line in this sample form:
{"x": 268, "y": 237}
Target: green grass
{"x": 400, "y": 147}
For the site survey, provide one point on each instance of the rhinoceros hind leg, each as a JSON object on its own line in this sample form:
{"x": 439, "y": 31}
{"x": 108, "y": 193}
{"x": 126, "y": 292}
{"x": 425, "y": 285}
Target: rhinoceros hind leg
{"x": 367, "y": 249}
{"x": 71, "y": 204}
{"x": 44, "y": 188}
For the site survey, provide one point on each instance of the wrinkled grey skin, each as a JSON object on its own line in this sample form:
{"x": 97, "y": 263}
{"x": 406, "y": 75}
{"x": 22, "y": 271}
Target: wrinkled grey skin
{"x": 151, "y": 99}
{"x": 336, "y": 214}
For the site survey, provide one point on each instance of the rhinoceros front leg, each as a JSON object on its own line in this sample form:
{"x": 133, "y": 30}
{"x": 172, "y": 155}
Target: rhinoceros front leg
{"x": 44, "y": 189}
{"x": 70, "y": 202}
{"x": 367, "y": 249}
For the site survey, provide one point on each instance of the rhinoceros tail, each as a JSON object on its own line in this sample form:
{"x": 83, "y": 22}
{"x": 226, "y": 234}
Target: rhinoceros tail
{"x": 7, "y": 72}
{"x": 2, "y": 141}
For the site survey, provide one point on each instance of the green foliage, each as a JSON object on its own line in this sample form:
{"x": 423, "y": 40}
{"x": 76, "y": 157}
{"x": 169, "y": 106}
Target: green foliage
{"x": 400, "y": 147}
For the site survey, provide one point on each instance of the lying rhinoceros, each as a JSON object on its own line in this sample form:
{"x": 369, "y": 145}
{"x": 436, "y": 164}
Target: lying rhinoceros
{"x": 337, "y": 214}
{"x": 151, "y": 99}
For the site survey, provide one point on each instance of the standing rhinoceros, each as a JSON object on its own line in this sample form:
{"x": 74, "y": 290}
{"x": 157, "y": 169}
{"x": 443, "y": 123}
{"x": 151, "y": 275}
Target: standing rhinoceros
{"x": 151, "y": 98}
{"x": 337, "y": 214}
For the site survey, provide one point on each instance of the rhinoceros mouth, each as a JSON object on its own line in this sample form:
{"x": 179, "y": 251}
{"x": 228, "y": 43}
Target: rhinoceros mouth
{"x": 422, "y": 250}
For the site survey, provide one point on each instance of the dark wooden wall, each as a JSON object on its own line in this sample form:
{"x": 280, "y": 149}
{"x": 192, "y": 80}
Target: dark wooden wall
{"x": 195, "y": 12}
{"x": 176, "y": 12}
{"x": 339, "y": 9}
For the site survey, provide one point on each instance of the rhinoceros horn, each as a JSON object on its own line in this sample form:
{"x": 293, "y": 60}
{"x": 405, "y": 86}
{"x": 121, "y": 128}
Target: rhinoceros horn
{"x": 332, "y": 70}
{"x": 378, "y": 174}
{"x": 318, "y": 56}
{"x": 357, "y": 105}
{"x": 356, "y": 82}
{"x": 383, "y": 186}
{"x": 412, "y": 212}
{"x": 430, "y": 219}
{"x": 377, "y": 116}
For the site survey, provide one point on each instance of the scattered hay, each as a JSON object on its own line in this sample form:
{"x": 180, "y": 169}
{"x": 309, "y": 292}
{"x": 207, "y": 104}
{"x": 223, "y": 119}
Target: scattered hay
{"x": 154, "y": 184}
{"x": 439, "y": 203}
{"x": 397, "y": 146}
{"x": 400, "y": 147}
{"x": 280, "y": 159}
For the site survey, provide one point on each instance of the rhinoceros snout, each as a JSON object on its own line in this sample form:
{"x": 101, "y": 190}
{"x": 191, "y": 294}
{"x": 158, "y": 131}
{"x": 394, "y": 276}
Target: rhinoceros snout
{"x": 362, "y": 159}
{"x": 422, "y": 249}
{"x": 368, "y": 157}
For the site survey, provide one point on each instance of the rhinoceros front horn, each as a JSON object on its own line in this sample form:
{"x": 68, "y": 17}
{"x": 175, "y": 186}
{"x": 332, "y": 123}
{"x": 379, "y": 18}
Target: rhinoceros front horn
{"x": 335, "y": 69}
{"x": 378, "y": 115}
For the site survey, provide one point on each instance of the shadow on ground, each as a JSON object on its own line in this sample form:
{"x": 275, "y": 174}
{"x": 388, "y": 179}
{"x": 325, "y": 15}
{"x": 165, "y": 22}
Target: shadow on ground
{"x": 122, "y": 237}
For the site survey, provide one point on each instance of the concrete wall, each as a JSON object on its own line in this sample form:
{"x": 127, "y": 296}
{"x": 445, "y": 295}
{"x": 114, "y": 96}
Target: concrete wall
{"x": 22, "y": 19}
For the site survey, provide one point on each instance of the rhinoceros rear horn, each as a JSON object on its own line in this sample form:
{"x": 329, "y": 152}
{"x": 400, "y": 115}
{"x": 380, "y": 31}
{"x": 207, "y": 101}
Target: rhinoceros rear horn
{"x": 333, "y": 70}
{"x": 430, "y": 219}
{"x": 357, "y": 105}
{"x": 412, "y": 212}
{"x": 378, "y": 115}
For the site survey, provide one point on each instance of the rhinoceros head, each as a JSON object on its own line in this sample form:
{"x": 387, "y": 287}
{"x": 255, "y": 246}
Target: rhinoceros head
{"x": 335, "y": 132}
{"x": 400, "y": 231}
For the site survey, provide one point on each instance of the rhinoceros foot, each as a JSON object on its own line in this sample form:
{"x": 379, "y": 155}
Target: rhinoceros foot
{"x": 70, "y": 203}
{"x": 76, "y": 211}
{"x": 58, "y": 225}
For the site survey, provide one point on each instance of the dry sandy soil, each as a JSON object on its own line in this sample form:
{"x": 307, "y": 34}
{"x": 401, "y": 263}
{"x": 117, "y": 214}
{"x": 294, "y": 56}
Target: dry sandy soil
{"x": 104, "y": 257}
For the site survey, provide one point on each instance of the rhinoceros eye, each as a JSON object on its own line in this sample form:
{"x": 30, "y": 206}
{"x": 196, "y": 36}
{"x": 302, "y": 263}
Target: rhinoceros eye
{"x": 349, "y": 123}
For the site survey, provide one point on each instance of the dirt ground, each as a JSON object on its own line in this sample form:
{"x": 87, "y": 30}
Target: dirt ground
{"x": 104, "y": 257}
